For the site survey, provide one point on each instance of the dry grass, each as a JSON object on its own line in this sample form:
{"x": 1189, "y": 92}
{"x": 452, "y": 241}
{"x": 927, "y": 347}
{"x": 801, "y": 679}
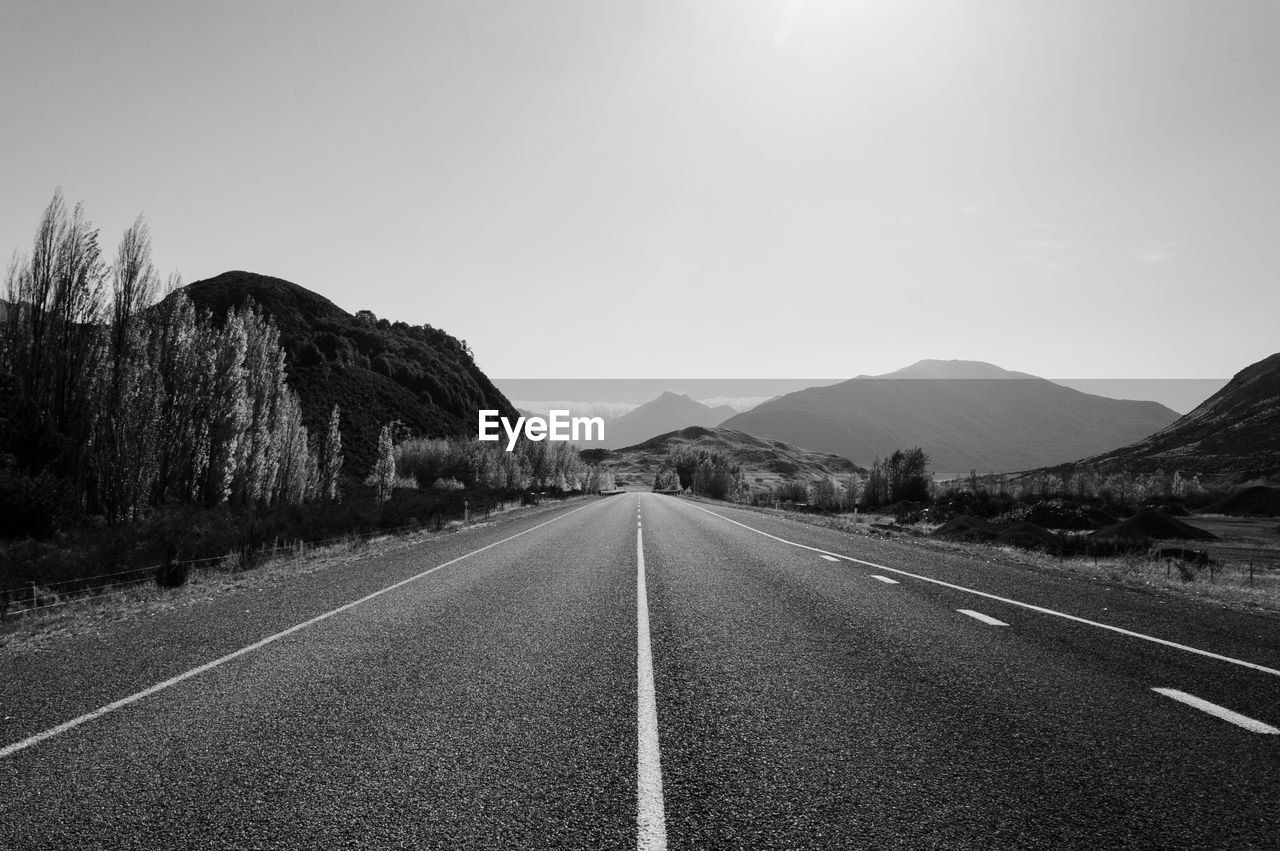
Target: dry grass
{"x": 1231, "y": 583}
{"x": 96, "y": 614}
{"x": 1244, "y": 543}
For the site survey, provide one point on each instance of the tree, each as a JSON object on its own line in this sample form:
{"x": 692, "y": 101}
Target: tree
{"x": 825, "y": 494}
{"x": 666, "y": 479}
{"x": 133, "y": 287}
{"x": 331, "y": 459}
{"x": 229, "y": 411}
{"x": 383, "y": 475}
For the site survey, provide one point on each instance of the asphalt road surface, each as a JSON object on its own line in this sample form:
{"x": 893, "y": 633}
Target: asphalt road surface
{"x": 642, "y": 671}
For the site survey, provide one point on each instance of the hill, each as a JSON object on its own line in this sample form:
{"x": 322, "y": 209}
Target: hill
{"x": 965, "y": 414}
{"x": 667, "y": 413}
{"x": 765, "y": 461}
{"x": 1235, "y": 432}
{"x": 377, "y": 371}
{"x": 1252, "y": 501}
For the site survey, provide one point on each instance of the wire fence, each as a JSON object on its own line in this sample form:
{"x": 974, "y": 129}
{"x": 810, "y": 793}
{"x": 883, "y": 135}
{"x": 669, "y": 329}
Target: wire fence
{"x": 36, "y": 597}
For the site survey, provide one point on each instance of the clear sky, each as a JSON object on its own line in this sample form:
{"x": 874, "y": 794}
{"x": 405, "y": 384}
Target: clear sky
{"x": 693, "y": 188}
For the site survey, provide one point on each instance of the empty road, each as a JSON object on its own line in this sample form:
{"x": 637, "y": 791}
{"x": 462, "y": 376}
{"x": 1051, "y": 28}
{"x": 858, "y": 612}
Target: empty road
{"x": 644, "y": 671}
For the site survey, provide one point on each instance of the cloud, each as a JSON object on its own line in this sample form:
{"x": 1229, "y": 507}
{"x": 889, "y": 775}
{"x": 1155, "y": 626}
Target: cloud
{"x": 788, "y": 14}
{"x": 1048, "y": 254}
{"x": 1162, "y": 253}
{"x": 1043, "y": 244}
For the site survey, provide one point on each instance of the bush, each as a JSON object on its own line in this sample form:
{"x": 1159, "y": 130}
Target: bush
{"x": 172, "y": 574}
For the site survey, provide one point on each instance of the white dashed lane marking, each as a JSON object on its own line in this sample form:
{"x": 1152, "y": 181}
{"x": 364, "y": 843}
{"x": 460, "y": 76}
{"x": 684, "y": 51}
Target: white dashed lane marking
{"x": 1217, "y": 711}
{"x": 987, "y": 619}
{"x": 831, "y": 558}
{"x": 1164, "y": 642}
{"x": 886, "y": 580}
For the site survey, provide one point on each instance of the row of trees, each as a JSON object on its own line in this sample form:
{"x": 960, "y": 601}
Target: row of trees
{"x": 705, "y": 472}
{"x": 125, "y": 404}
{"x": 1120, "y": 487}
{"x": 540, "y": 465}
{"x": 903, "y": 475}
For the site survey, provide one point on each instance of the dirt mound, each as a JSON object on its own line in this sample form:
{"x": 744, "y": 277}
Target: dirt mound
{"x": 1108, "y": 515}
{"x": 1057, "y": 514}
{"x": 964, "y": 527}
{"x": 1152, "y": 524}
{"x": 1255, "y": 501}
{"x": 1029, "y": 536}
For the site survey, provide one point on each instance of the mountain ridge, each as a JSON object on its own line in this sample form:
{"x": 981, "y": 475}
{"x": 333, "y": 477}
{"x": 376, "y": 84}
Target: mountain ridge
{"x": 663, "y": 414}
{"x": 984, "y": 423}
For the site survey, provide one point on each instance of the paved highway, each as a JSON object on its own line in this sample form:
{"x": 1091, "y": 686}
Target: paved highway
{"x": 643, "y": 671}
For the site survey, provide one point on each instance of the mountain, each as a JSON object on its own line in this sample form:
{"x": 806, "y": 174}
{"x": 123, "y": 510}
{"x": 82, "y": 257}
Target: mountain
{"x": 377, "y": 371}
{"x": 667, "y": 413}
{"x": 764, "y": 460}
{"x": 1236, "y": 432}
{"x": 965, "y": 414}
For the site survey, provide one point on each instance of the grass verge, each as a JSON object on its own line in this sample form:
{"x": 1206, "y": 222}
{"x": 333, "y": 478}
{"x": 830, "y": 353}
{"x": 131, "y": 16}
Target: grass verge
{"x": 99, "y": 613}
{"x": 1244, "y": 576}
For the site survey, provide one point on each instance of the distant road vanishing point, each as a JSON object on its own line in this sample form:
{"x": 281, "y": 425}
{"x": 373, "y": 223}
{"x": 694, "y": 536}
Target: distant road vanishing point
{"x": 646, "y": 671}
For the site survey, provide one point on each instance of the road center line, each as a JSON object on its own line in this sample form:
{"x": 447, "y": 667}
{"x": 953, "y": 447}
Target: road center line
{"x": 987, "y": 619}
{"x": 257, "y": 645}
{"x": 1031, "y": 607}
{"x": 1217, "y": 711}
{"x": 651, "y": 824}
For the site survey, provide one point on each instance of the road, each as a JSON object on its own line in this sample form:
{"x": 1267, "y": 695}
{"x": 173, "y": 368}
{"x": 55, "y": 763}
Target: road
{"x": 647, "y": 671}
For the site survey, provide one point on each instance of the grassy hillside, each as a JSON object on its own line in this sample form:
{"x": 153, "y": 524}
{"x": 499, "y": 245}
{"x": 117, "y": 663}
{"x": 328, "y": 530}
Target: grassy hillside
{"x": 765, "y": 461}
{"x": 1235, "y": 432}
{"x": 375, "y": 370}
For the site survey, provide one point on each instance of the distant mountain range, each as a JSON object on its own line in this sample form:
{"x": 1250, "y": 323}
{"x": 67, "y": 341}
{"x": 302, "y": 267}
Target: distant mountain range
{"x": 376, "y": 370}
{"x": 965, "y": 414}
{"x": 765, "y": 461}
{"x": 667, "y": 413}
{"x": 1236, "y": 431}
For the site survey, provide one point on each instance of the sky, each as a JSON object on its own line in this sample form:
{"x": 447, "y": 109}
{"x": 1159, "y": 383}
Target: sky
{"x": 690, "y": 188}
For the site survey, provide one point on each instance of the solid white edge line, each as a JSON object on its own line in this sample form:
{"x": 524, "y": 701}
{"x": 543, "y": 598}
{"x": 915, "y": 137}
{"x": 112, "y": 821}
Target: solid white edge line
{"x": 1029, "y": 606}
{"x": 1218, "y": 711}
{"x": 235, "y": 654}
{"x": 987, "y": 619}
{"x": 651, "y": 823}
{"x": 886, "y": 580}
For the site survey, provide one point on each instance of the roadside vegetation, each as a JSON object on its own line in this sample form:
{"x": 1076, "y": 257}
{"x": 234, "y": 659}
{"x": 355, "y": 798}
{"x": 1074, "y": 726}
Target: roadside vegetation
{"x": 1215, "y": 539}
{"x": 142, "y": 435}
